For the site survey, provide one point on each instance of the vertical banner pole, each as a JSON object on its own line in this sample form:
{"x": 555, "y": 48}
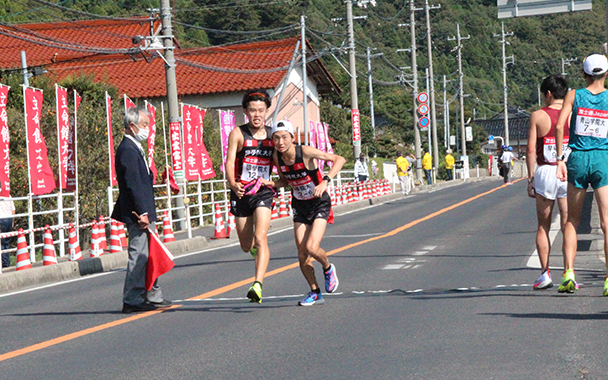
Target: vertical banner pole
{"x": 76, "y": 193}
{"x": 60, "y": 195}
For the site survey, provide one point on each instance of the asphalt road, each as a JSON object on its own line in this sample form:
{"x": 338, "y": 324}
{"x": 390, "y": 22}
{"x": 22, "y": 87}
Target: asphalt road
{"x": 432, "y": 286}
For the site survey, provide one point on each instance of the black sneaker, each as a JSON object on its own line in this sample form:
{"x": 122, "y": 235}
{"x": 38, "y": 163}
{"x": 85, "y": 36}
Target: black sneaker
{"x": 145, "y": 306}
{"x": 162, "y": 304}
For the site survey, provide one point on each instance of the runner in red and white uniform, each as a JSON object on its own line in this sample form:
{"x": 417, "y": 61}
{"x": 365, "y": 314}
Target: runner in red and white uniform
{"x": 248, "y": 161}
{"x": 311, "y": 204}
{"x": 543, "y": 184}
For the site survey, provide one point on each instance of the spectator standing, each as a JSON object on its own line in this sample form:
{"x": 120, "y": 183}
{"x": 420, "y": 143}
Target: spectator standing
{"x": 374, "y": 169}
{"x": 7, "y": 210}
{"x": 449, "y": 164}
{"x": 427, "y": 165}
{"x": 402, "y": 169}
{"x": 361, "y": 169}
{"x": 506, "y": 161}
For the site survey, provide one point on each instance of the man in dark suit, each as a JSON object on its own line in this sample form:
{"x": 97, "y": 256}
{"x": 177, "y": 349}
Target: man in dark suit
{"x": 136, "y": 208}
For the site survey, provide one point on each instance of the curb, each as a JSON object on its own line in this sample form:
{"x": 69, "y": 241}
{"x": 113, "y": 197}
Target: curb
{"x": 67, "y": 270}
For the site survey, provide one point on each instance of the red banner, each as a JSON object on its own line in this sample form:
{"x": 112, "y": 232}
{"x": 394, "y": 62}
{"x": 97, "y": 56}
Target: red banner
{"x": 63, "y": 133}
{"x": 128, "y": 103}
{"x": 176, "y": 149}
{"x": 190, "y": 117}
{"x": 5, "y": 189}
{"x": 72, "y": 164}
{"x": 356, "y": 127}
{"x": 151, "y": 139}
{"x": 206, "y": 164}
{"x": 41, "y": 176}
{"x": 112, "y": 170}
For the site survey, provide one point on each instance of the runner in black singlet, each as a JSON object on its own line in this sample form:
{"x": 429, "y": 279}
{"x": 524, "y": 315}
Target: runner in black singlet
{"x": 311, "y": 203}
{"x": 249, "y": 159}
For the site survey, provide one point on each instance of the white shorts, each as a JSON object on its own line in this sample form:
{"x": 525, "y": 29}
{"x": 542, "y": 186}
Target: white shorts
{"x": 547, "y": 184}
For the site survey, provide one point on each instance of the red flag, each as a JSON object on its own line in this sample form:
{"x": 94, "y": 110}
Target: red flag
{"x": 206, "y": 164}
{"x": 5, "y": 190}
{"x": 63, "y": 133}
{"x": 128, "y": 103}
{"x": 113, "y": 181}
{"x": 151, "y": 139}
{"x": 160, "y": 260}
{"x": 42, "y": 180}
{"x": 190, "y": 117}
{"x": 168, "y": 176}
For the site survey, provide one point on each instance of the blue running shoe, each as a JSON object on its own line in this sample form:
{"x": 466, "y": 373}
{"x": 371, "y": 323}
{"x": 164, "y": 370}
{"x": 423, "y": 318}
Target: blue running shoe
{"x": 331, "y": 279}
{"x": 311, "y": 299}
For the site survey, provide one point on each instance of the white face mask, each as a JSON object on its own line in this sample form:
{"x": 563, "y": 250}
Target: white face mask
{"x": 142, "y": 134}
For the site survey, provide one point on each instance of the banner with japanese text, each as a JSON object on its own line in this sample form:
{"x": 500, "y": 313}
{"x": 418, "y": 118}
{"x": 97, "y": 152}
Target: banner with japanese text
{"x": 206, "y": 164}
{"x": 192, "y": 157}
{"x": 227, "y": 124}
{"x": 312, "y": 134}
{"x": 320, "y": 132}
{"x": 328, "y": 147}
{"x": 177, "y": 158}
{"x": 5, "y": 186}
{"x": 65, "y": 137}
{"x": 356, "y": 127}
{"x": 41, "y": 176}
{"x": 151, "y": 141}
{"x": 112, "y": 170}
{"x": 72, "y": 165}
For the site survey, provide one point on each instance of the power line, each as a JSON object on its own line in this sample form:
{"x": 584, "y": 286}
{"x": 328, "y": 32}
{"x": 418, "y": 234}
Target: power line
{"x": 67, "y": 9}
{"x": 236, "y": 32}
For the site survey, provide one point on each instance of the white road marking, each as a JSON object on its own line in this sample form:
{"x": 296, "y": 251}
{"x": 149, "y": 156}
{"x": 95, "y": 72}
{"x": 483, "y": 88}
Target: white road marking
{"x": 420, "y": 253}
{"x": 393, "y": 266}
{"x": 429, "y": 247}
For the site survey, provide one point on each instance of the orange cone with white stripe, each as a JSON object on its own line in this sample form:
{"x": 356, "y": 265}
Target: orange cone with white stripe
{"x": 275, "y": 214}
{"x": 23, "y": 256}
{"x": 167, "y": 230}
{"x": 96, "y": 250}
{"x": 231, "y": 223}
{"x": 115, "y": 244}
{"x": 73, "y": 245}
{"x": 48, "y": 252}
{"x": 101, "y": 234}
{"x": 121, "y": 234}
{"x": 283, "y": 213}
{"x": 220, "y": 230}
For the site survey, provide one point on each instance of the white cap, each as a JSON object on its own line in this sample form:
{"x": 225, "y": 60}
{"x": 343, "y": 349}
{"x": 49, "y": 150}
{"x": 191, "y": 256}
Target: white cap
{"x": 282, "y": 125}
{"x": 595, "y": 64}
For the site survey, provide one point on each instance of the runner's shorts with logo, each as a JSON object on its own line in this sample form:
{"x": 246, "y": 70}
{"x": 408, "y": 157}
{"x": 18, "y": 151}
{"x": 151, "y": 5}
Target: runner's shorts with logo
{"x": 246, "y": 206}
{"x": 307, "y": 211}
{"x": 546, "y": 183}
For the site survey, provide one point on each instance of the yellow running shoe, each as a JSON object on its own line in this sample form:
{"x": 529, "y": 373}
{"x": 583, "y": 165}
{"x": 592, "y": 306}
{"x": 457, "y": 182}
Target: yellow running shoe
{"x": 255, "y": 292}
{"x": 606, "y": 287}
{"x": 568, "y": 284}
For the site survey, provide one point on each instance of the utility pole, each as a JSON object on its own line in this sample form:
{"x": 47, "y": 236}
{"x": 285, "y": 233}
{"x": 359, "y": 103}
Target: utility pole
{"x": 567, "y": 62}
{"x": 432, "y": 83}
{"x": 354, "y": 102}
{"x": 459, "y": 38}
{"x": 504, "y": 42}
{"x": 432, "y": 148}
{"x": 167, "y": 32}
{"x": 26, "y": 75}
{"x": 446, "y": 117}
{"x": 371, "y": 88}
{"x": 304, "y": 81}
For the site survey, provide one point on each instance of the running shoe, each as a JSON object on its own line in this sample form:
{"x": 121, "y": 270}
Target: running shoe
{"x": 331, "y": 279}
{"x": 606, "y": 287}
{"x": 568, "y": 284}
{"x": 255, "y": 293}
{"x": 544, "y": 281}
{"x": 253, "y": 252}
{"x": 311, "y": 299}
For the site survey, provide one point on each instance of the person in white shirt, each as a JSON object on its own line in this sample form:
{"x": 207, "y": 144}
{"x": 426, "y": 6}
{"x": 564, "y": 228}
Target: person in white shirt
{"x": 506, "y": 159}
{"x": 7, "y": 210}
{"x": 361, "y": 169}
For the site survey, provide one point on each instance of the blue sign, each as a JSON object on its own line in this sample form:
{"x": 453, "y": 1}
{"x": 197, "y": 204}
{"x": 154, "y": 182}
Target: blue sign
{"x": 424, "y": 122}
{"x": 490, "y": 138}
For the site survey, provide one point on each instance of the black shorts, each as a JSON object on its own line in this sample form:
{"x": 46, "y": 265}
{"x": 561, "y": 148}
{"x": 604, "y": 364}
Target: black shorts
{"x": 247, "y": 205}
{"x": 307, "y": 211}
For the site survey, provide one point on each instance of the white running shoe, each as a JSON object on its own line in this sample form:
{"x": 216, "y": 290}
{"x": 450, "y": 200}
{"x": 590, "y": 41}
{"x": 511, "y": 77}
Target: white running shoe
{"x": 544, "y": 281}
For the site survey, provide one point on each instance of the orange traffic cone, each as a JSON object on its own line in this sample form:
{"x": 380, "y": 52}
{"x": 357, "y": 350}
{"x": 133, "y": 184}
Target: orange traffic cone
{"x": 290, "y": 210}
{"x": 73, "y": 245}
{"x": 220, "y": 231}
{"x": 48, "y": 253}
{"x": 23, "y": 256}
{"x": 167, "y": 230}
{"x": 351, "y": 193}
{"x": 231, "y": 223}
{"x": 101, "y": 234}
{"x": 121, "y": 234}
{"x": 115, "y": 244}
{"x": 283, "y": 213}
{"x": 96, "y": 250}
{"x": 275, "y": 214}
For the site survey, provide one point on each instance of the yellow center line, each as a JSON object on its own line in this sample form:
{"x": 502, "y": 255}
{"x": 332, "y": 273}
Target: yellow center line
{"x": 224, "y": 289}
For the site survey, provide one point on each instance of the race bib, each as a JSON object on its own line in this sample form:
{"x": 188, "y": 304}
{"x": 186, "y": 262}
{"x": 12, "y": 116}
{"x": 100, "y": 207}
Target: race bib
{"x": 254, "y": 167}
{"x": 303, "y": 189}
{"x": 593, "y": 123}
{"x": 550, "y": 151}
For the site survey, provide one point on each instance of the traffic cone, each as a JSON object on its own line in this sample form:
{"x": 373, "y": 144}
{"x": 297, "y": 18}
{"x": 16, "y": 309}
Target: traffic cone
{"x": 283, "y": 213}
{"x": 115, "y": 244}
{"x": 275, "y": 214}
{"x": 73, "y": 245}
{"x": 121, "y": 234}
{"x": 351, "y": 195}
{"x": 289, "y": 203}
{"x": 101, "y": 234}
{"x": 387, "y": 186}
{"x": 48, "y": 252}
{"x": 167, "y": 230}
{"x": 231, "y": 223}
{"x": 23, "y": 256}
{"x": 220, "y": 231}
{"x": 96, "y": 250}
{"x": 332, "y": 195}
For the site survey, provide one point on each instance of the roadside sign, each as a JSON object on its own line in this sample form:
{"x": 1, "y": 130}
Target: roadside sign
{"x": 424, "y": 122}
{"x": 468, "y": 131}
{"x": 356, "y": 128}
{"x": 521, "y": 8}
{"x": 423, "y": 109}
{"x": 490, "y": 138}
{"x": 423, "y": 97}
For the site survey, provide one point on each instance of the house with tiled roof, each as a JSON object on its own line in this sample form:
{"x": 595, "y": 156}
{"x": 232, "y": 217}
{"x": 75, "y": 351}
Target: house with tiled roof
{"x": 210, "y": 77}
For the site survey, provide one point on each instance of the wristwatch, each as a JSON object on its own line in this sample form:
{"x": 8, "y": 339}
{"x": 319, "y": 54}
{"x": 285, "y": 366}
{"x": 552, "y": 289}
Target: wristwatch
{"x": 561, "y": 158}
{"x": 326, "y": 178}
